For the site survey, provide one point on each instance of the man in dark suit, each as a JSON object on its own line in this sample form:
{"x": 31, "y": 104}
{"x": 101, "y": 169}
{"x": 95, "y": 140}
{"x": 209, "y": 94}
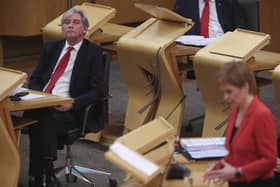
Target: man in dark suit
{"x": 225, "y": 15}
{"x": 71, "y": 68}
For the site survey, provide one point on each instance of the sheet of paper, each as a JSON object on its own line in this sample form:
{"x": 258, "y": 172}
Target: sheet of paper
{"x": 134, "y": 159}
{"x": 20, "y": 88}
{"x": 31, "y": 96}
{"x": 194, "y": 40}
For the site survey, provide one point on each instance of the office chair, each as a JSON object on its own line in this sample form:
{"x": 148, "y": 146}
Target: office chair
{"x": 251, "y": 13}
{"x": 73, "y": 172}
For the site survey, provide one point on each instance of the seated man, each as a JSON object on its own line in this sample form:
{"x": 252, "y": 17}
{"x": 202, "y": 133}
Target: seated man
{"x": 212, "y": 18}
{"x": 71, "y": 68}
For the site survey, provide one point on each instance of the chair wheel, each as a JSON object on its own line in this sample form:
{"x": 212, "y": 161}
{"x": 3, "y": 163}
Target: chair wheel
{"x": 71, "y": 178}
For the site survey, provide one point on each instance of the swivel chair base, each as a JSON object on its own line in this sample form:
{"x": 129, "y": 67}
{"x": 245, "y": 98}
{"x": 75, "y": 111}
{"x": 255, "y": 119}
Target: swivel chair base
{"x": 73, "y": 172}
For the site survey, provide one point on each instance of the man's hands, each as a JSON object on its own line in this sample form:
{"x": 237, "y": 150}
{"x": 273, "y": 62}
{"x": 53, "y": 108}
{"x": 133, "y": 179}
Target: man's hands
{"x": 64, "y": 107}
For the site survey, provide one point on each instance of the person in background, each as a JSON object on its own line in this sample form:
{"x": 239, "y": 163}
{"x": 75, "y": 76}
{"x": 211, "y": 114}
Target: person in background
{"x": 212, "y": 18}
{"x": 72, "y": 67}
{"x": 250, "y": 135}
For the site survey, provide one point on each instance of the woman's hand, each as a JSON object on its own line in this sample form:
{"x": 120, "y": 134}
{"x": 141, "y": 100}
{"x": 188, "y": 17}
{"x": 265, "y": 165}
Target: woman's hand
{"x": 277, "y": 167}
{"x": 219, "y": 175}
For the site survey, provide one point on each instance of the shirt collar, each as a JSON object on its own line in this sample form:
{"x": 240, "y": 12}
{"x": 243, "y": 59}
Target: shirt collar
{"x": 76, "y": 46}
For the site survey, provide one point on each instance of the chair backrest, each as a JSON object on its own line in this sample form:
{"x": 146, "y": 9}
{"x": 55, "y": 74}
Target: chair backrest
{"x": 105, "y": 104}
{"x": 107, "y": 58}
{"x": 251, "y": 11}
{"x": 74, "y": 134}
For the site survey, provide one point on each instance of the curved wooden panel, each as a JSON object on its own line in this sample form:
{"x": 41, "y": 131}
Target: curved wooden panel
{"x": 207, "y": 63}
{"x": 9, "y": 159}
{"x": 153, "y": 83}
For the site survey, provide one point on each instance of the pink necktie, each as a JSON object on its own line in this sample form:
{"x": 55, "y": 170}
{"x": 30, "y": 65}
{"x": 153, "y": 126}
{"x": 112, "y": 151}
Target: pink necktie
{"x": 62, "y": 64}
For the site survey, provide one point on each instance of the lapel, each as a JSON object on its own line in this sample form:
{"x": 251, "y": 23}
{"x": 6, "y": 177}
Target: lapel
{"x": 196, "y": 8}
{"x": 54, "y": 55}
{"x": 231, "y": 122}
{"x": 244, "y": 123}
{"x": 79, "y": 60}
{"x": 219, "y": 7}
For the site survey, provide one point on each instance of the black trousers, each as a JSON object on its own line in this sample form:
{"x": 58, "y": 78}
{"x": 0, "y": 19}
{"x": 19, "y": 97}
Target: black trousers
{"x": 256, "y": 183}
{"x": 44, "y": 136}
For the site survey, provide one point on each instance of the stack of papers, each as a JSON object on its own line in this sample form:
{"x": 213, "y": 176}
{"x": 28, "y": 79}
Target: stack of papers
{"x": 194, "y": 40}
{"x": 200, "y": 148}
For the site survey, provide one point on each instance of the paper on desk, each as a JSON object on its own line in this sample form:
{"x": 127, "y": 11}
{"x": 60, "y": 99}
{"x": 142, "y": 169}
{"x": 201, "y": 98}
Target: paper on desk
{"x": 20, "y": 88}
{"x": 194, "y": 40}
{"x": 199, "y": 148}
{"x": 134, "y": 159}
{"x": 31, "y": 96}
{"x": 211, "y": 153}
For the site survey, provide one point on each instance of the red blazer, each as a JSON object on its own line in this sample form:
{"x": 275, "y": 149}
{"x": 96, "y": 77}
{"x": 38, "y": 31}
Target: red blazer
{"x": 254, "y": 146}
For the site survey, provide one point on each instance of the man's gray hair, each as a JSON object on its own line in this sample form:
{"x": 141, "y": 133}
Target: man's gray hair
{"x": 72, "y": 11}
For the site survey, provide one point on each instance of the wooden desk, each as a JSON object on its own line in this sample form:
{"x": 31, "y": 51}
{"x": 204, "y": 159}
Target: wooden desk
{"x": 264, "y": 60}
{"x": 109, "y": 33}
{"x": 197, "y": 169}
{"x": 7, "y": 106}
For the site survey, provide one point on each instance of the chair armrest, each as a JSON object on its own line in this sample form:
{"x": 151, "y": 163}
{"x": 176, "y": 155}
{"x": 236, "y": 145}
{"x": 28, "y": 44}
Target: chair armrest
{"x": 87, "y": 109}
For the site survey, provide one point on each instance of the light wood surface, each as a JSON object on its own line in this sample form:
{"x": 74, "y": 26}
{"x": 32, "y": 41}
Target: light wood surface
{"x": 240, "y": 44}
{"x": 9, "y": 80}
{"x": 109, "y": 32}
{"x": 7, "y": 106}
{"x": 47, "y": 101}
{"x": 26, "y": 18}
{"x": 9, "y": 158}
{"x": 269, "y": 22}
{"x": 154, "y": 141}
{"x": 143, "y": 54}
{"x": 96, "y": 14}
{"x": 1, "y": 52}
{"x": 128, "y": 13}
{"x": 206, "y": 66}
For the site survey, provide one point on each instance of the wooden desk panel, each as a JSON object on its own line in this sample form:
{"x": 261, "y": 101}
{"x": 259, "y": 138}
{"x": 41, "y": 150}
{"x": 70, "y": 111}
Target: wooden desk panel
{"x": 128, "y": 13}
{"x": 1, "y": 53}
{"x": 9, "y": 159}
{"x": 269, "y": 22}
{"x": 7, "y": 106}
{"x": 48, "y": 100}
{"x": 26, "y": 18}
{"x": 197, "y": 169}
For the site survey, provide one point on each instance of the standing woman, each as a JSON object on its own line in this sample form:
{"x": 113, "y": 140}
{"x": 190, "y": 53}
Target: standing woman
{"x": 250, "y": 135}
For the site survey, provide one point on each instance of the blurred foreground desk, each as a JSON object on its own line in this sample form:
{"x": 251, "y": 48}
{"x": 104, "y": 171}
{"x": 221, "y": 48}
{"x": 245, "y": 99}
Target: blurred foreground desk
{"x": 9, "y": 157}
{"x": 197, "y": 169}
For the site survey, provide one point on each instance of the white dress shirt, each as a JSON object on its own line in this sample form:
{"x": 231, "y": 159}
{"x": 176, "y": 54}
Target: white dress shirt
{"x": 215, "y": 28}
{"x": 62, "y": 85}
